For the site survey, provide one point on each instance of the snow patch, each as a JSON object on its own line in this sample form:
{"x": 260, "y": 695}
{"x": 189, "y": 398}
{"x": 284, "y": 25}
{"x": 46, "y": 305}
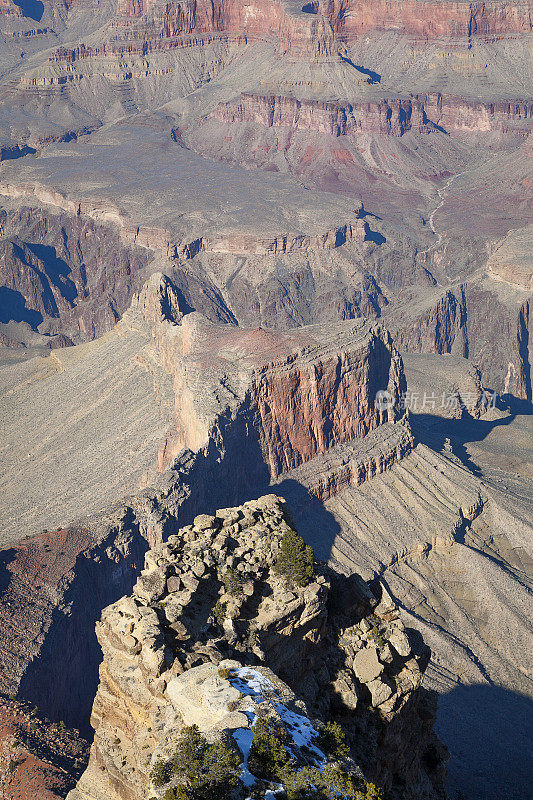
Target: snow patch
{"x": 244, "y": 738}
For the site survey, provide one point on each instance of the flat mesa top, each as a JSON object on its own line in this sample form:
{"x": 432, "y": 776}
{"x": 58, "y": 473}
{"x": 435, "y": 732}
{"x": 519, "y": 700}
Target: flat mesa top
{"x": 147, "y": 177}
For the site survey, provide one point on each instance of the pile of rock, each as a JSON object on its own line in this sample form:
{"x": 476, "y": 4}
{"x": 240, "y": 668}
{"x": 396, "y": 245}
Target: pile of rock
{"x": 217, "y": 594}
{"x": 381, "y": 658}
{"x": 209, "y": 604}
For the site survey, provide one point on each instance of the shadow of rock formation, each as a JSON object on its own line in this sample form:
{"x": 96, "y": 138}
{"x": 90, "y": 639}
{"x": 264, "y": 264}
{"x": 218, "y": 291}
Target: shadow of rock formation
{"x": 491, "y": 730}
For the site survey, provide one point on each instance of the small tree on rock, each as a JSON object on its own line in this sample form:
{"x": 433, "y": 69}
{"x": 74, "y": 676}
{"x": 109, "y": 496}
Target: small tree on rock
{"x": 296, "y": 560}
{"x": 205, "y": 771}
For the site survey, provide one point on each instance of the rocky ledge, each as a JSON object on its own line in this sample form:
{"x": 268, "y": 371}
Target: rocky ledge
{"x": 222, "y": 630}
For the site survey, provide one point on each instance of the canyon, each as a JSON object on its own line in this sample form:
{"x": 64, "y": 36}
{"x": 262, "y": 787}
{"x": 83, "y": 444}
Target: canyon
{"x": 236, "y": 436}
{"x": 225, "y": 230}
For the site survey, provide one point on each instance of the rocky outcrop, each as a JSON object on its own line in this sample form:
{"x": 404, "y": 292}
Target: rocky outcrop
{"x": 348, "y": 464}
{"x": 393, "y": 117}
{"x": 166, "y": 649}
{"x": 456, "y": 115}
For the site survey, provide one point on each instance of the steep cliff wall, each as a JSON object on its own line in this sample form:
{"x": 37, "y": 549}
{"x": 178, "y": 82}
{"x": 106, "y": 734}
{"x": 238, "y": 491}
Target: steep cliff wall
{"x": 476, "y": 323}
{"x": 429, "y": 20}
{"x": 305, "y": 412}
{"x": 70, "y": 274}
{"x": 348, "y": 20}
{"x": 393, "y": 116}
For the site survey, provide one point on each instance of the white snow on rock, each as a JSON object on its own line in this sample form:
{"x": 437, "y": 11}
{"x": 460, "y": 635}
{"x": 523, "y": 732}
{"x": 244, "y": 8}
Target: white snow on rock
{"x": 244, "y": 738}
{"x": 253, "y": 683}
{"x": 300, "y": 729}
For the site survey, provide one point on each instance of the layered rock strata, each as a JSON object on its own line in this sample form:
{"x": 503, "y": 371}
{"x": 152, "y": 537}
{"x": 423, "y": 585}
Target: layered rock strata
{"x": 185, "y": 386}
{"x": 389, "y": 116}
{"x": 310, "y": 29}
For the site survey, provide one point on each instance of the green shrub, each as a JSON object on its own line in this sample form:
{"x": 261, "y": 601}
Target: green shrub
{"x": 219, "y": 612}
{"x": 232, "y": 582}
{"x": 333, "y": 783}
{"x": 268, "y": 755}
{"x": 295, "y": 561}
{"x": 303, "y": 783}
{"x": 225, "y": 673}
{"x": 377, "y": 637}
{"x": 178, "y": 793}
{"x": 372, "y": 792}
{"x": 208, "y": 771}
{"x": 332, "y": 741}
{"x": 161, "y": 773}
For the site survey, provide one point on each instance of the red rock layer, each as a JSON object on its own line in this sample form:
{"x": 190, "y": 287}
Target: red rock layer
{"x": 37, "y": 759}
{"x": 350, "y": 18}
{"x": 144, "y": 25}
{"x": 393, "y": 116}
{"x": 306, "y": 408}
{"x": 428, "y": 19}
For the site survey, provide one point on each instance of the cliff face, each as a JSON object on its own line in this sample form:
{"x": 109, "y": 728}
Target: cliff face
{"x": 305, "y": 412}
{"x": 53, "y": 587}
{"x": 430, "y": 20}
{"x": 307, "y": 30}
{"x": 475, "y": 323}
{"x": 340, "y": 649}
{"x": 299, "y": 393}
{"x": 347, "y": 20}
{"x": 70, "y": 274}
{"x": 394, "y": 117}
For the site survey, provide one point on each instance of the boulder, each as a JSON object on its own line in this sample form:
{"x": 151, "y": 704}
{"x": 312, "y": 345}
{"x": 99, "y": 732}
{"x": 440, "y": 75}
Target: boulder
{"x": 190, "y": 583}
{"x": 347, "y": 691}
{"x": 204, "y": 522}
{"x": 380, "y": 691}
{"x": 202, "y": 696}
{"x": 151, "y": 586}
{"x": 386, "y": 605}
{"x": 400, "y": 642}
{"x": 367, "y": 665}
{"x": 173, "y": 584}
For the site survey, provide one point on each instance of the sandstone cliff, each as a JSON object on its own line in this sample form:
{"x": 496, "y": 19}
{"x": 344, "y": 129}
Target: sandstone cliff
{"x": 388, "y": 116}
{"x": 185, "y": 384}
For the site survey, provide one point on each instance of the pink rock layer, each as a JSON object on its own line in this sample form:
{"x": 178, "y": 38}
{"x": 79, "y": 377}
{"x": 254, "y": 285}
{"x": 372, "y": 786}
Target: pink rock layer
{"x": 145, "y": 25}
{"x": 421, "y": 114}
